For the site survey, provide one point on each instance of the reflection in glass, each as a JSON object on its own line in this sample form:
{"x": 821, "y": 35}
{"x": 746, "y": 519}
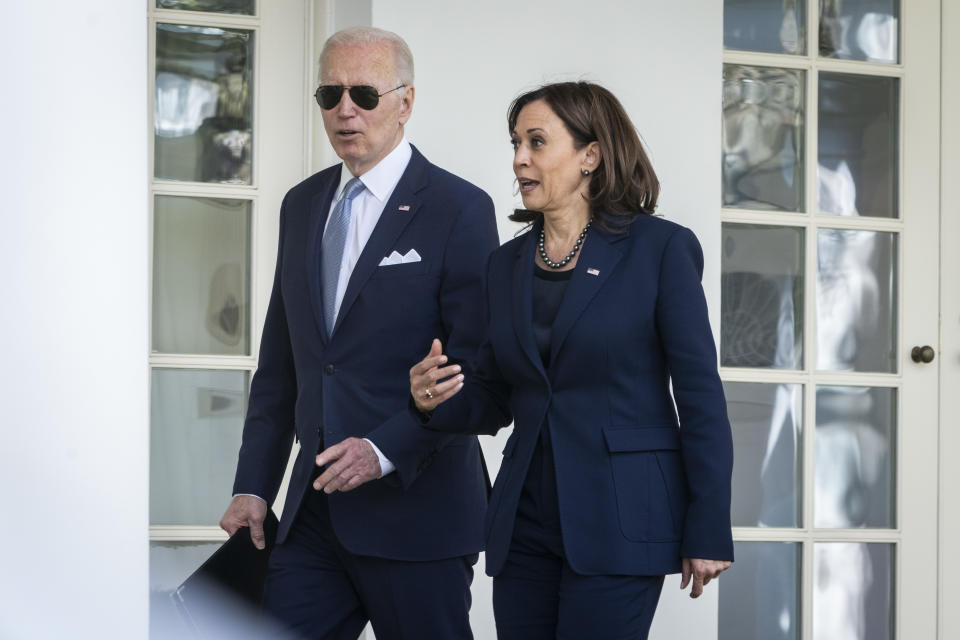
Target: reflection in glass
{"x": 759, "y": 597}
{"x": 243, "y": 7}
{"x": 761, "y": 297}
{"x": 860, "y": 29}
{"x": 196, "y": 420}
{"x": 204, "y": 104}
{"x": 857, "y": 152}
{"x": 170, "y": 564}
{"x": 771, "y": 26}
{"x": 854, "y": 458}
{"x": 763, "y": 124}
{"x": 856, "y": 300}
{"x": 853, "y": 591}
{"x": 766, "y": 420}
{"x": 201, "y": 275}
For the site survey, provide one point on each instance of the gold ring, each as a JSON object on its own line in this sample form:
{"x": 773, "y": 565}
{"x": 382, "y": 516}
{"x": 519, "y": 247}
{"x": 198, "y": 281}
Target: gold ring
{"x": 428, "y": 395}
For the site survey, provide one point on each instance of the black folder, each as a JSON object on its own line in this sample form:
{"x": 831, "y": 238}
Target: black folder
{"x": 228, "y": 587}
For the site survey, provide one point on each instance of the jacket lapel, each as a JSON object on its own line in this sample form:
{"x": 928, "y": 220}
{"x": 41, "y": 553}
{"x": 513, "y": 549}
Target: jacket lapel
{"x": 319, "y": 210}
{"x": 597, "y": 260}
{"x": 523, "y": 298}
{"x": 392, "y": 222}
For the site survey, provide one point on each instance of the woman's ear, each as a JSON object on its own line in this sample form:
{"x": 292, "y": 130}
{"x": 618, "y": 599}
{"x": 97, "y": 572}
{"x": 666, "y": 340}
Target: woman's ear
{"x": 592, "y": 156}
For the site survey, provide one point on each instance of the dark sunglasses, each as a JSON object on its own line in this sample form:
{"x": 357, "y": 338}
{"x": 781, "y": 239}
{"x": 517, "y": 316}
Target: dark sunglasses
{"x": 364, "y": 96}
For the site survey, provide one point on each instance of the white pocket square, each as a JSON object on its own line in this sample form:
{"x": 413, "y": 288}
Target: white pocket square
{"x": 395, "y": 258}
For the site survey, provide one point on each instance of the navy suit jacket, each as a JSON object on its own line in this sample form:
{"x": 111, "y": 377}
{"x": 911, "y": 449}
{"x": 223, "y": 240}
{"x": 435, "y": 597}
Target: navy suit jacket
{"x": 355, "y": 381}
{"x": 638, "y": 489}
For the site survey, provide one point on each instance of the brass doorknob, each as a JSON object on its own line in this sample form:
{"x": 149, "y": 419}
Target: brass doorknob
{"x": 923, "y": 354}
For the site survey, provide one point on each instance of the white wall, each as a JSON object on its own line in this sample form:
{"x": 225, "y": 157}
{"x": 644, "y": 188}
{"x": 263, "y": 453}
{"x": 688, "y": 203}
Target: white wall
{"x": 661, "y": 59}
{"x": 73, "y": 330}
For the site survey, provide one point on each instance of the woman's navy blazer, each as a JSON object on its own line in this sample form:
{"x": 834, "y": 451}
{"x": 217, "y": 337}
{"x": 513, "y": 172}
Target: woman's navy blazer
{"x": 643, "y": 477}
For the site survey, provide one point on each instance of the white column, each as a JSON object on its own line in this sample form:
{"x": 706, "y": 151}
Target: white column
{"x": 74, "y": 327}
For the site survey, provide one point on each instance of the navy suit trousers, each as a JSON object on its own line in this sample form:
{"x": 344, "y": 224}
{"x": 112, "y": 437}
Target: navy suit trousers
{"x": 538, "y": 596}
{"x": 319, "y": 590}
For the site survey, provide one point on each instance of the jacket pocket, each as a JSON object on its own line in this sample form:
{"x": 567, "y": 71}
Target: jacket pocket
{"x": 648, "y": 480}
{"x": 400, "y": 270}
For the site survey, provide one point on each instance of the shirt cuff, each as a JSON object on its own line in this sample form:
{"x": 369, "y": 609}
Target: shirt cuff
{"x": 252, "y": 495}
{"x": 386, "y": 467}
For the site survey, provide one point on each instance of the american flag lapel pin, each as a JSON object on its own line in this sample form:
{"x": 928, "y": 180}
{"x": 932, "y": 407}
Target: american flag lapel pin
{"x": 593, "y": 272}
{"x": 404, "y": 207}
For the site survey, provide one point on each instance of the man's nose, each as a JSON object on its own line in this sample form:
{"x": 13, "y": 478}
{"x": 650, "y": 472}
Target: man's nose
{"x": 346, "y": 107}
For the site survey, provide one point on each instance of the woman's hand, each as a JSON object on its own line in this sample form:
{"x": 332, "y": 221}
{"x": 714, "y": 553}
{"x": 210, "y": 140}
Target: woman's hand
{"x": 702, "y": 572}
{"x": 431, "y": 383}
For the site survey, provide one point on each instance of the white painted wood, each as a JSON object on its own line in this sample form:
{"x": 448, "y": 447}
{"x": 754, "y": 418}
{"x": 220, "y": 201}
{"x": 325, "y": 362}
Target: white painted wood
{"x": 948, "y": 351}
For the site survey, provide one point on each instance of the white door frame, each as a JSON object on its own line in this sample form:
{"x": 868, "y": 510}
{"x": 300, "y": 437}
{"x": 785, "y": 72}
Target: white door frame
{"x": 948, "y": 352}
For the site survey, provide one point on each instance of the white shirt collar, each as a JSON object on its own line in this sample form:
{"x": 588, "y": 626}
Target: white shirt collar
{"x": 384, "y": 176}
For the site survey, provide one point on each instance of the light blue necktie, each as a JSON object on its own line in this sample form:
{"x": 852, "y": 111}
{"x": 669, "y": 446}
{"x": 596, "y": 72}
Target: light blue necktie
{"x": 331, "y": 249}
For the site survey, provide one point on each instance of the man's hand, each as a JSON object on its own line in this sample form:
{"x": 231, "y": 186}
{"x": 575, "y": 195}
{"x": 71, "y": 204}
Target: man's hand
{"x": 352, "y": 463}
{"x": 702, "y": 572}
{"x": 246, "y": 511}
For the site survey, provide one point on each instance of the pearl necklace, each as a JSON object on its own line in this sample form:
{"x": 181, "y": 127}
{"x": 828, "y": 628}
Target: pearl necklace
{"x": 576, "y": 247}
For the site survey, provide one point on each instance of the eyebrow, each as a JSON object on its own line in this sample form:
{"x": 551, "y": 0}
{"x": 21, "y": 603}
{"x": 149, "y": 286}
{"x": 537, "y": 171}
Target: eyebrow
{"x": 535, "y": 129}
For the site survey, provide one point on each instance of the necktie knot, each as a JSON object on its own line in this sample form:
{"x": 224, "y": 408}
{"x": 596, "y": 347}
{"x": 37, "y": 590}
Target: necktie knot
{"x": 352, "y": 189}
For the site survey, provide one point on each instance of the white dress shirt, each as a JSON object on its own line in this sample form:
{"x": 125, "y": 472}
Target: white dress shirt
{"x": 380, "y": 181}
{"x": 365, "y": 212}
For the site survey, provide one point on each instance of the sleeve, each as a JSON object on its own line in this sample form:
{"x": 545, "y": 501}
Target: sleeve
{"x": 472, "y": 239}
{"x": 268, "y": 430}
{"x": 706, "y": 441}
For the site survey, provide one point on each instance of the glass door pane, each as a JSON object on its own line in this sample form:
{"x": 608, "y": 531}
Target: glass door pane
{"x": 241, "y": 7}
{"x": 857, "y": 150}
{"x": 196, "y": 420}
{"x": 763, "y": 124}
{"x": 771, "y": 26}
{"x": 857, "y": 300}
{"x": 201, "y": 275}
{"x": 203, "y": 109}
{"x": 860, "y": 30}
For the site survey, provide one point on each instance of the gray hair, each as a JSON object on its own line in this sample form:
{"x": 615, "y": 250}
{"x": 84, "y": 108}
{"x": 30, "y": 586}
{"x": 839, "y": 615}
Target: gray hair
{"x": 403, "y": 58}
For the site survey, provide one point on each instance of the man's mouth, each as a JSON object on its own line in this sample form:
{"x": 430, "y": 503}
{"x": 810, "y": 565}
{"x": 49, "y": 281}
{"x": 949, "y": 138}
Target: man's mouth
{"x": 346, "y": 133}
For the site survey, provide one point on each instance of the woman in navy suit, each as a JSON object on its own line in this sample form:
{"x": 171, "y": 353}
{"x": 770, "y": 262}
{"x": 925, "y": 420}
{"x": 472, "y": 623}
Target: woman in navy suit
{"x": 608, "y": 481}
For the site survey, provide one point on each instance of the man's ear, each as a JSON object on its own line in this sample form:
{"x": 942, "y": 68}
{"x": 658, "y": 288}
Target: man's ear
{"x": 406, "y": 104}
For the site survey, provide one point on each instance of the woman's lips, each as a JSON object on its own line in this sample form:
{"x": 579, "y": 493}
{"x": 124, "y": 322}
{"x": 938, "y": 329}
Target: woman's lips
{"x": 527, "y": 185}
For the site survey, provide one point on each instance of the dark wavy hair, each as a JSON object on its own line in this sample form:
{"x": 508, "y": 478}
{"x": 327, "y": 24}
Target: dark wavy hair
{"x": 624, "y": 184}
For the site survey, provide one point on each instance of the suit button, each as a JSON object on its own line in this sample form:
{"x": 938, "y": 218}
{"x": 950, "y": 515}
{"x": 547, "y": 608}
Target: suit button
{"x": 329, "y": 369}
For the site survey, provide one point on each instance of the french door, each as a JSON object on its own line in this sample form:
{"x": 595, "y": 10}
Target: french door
{"x": 228, "y": 122}
{"x": 830, "y": 276}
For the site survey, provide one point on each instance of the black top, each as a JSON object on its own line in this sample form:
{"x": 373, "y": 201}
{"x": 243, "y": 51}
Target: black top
{"x": 548, "y": 290}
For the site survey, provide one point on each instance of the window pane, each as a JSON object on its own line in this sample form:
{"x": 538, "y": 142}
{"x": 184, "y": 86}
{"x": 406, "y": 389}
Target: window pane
{"x": 771, "y": 26}
{"x": 854, "y": 458}
{"x": 196, "y": 422}
{"x": 763, "y": 121}
{"x": 856, "y": 300}
{"x": 201, "y": 276}
{"x": 860, "y": 30}
{"x": 170, "y": 564}
{"x": 761, "y": 298}
{"x": 244, "y": 7}
{"x": 853, "y": 591}
{"x": 857, "y": 145}
{"x": 767, "y": 421}
{"x": 760, "y": 594}
{"x": 204, "y": 104}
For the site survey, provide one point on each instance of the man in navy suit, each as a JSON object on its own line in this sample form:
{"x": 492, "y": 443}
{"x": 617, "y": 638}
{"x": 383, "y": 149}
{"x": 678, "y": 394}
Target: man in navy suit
{"x": 382, "y": 520}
